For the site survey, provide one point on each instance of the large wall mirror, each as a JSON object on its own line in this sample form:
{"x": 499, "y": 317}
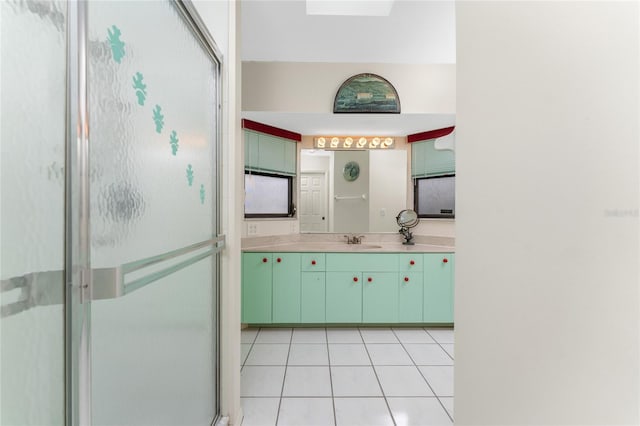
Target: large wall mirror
{"x": 352, "y": 191}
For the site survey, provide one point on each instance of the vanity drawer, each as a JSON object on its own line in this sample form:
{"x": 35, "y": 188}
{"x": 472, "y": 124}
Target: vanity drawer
{"x": 410, "y": 262}
{"x": 374, "y": 262}
{"x": 313, "y": 262}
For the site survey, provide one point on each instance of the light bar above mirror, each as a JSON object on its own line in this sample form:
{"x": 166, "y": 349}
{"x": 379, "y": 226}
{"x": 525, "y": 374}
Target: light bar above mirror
{"x": 353, "y": 142}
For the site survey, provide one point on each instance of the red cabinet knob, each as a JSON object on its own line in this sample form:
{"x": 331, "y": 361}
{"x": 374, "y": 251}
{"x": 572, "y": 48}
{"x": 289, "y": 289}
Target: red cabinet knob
{"x": 313, "y": 262}
{"x": 355, "y": 279}
{"x": 406, "y": 279}
{"x": 279, "y": 260}
{"x": 413, "y": 262}
{"x": 445, "y": 260}
{"x": 264, "y": 260}
{"x": 369, "y": 279}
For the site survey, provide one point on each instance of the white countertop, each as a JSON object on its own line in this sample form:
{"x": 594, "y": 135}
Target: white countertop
{"x": 331, "y": 243}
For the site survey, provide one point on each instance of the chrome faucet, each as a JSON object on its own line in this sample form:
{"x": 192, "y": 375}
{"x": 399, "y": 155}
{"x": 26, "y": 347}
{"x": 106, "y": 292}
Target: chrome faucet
{"x": 354, "y": 239}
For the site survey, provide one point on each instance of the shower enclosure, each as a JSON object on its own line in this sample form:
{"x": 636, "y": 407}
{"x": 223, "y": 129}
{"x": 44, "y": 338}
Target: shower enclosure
{"x": 109, "y": 214}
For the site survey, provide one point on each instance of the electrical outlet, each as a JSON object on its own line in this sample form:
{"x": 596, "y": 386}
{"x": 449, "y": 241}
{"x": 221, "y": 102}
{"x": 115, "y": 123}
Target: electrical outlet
{"x": 252, "y": 229}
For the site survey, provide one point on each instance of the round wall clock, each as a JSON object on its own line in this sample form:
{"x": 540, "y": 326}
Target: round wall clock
{"x": 351, "y": 171}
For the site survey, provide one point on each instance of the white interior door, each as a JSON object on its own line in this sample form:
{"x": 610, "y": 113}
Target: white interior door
{"x": 313, "y": 202}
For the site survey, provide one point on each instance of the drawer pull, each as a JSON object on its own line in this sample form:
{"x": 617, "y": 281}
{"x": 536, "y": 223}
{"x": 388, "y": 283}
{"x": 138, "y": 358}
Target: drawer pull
{"x": 412, "y": 262}
{"x": 445, "y": 260}
{"x": 279, "y": 260}
{"x": 369, "y": 279}
{"x": 406, "y": 279}
{"x": 355, "y": 279}
{"x": 264, "y": 260}
{"x": 313, "y": 262}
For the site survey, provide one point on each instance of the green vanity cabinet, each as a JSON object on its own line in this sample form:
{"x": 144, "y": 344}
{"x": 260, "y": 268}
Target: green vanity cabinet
{"x": 343, "y": 297}
{"x": 347, "y": 288}
{"x": 410, "y": 296}
{"x": 270, "y": 288}
{"x": 286, "y": 288}
{"x": 380, "y": 297}
{"x": 257, "y": 282}
{"x": 438, "y": 287}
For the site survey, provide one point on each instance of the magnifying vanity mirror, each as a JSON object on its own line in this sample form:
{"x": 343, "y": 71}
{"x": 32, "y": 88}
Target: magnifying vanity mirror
{"x": 407, "y": 219}
{"x": 352, "y": 191}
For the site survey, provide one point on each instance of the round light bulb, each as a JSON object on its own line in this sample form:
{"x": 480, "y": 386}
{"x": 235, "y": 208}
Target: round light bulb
{"x": 348, "y": 142}
{"x": 335, "y": 142}
{"x": 362, "y": 142}
{"x": 321, "y": 142}
{"x": 388, "y": 142}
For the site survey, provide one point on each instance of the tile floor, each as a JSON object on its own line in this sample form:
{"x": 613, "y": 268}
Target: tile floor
{"x": 347, "y": 376}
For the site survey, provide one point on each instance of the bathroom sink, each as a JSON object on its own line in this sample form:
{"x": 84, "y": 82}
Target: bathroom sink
{"x": 365, "y": 246}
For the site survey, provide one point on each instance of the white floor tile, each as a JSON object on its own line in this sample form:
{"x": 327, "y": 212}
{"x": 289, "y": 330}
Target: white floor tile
{"x": 268, "y": 354}
{"x": 388, "y": 354}
{"x": 309, "y": 335}
{"x": 308, "y": 354}
{"x": 354, "y": 381}
{"x": 362, "y": 412}
{"x": 307, "y": 381}
{"x": 248, "y": 335}
{"x": 348, "y": 354}
{"x": 428, "y": 354}
{"x": 244, "y": 351}
{"x": 402, "y": 381}
{"x": 343, "y": 335}
{"x": 440, "y": 378}
{"x": 274, "y": 335}
{"x": 378, "y": 335}
{"x": 306, "y": 411}
{"x": 448, "y": 347}
{"x": 413, "y": 335}
{"x": 441, "y": 335}
{"x": 259, "y": 411}
{"x": 448, "y": 405}
{"x": 418, "y": 412}
{"x": 261, "y": 381}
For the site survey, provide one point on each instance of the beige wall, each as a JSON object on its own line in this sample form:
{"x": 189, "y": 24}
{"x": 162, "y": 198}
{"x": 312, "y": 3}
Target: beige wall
{"x": 311, "y": 87}
{"x": 547, "y": 217}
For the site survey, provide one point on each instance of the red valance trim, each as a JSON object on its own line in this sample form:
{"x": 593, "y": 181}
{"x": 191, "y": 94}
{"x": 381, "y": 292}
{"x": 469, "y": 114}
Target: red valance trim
{"x": 431, "y": 134}
{"x": 270, "y": 130}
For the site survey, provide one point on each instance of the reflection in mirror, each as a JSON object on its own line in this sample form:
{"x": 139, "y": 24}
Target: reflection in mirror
{"x": 351, "y": 191}
{"x": 407, "y": 219}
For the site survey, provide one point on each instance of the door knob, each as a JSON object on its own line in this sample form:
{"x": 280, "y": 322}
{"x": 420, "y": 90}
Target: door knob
{"x": 369, "y": 279}
{"x": 279, "y": 260}
{"x": 445, "y": 260}
{"x": 406, "y": 279}
{"x": 313, "y": 262}
{"x": 413, "y": 262}
{"x": 355, "y": 279}
{"x": 264, "y": 260}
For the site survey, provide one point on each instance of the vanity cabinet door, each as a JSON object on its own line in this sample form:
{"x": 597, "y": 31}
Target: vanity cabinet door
{"x": 379, "y": 297}
{"x": 313, "y": 297}
{"x": 438, "y": 287}
{"x": 256, "y": 287}
{"x": 410, "y": 296}
{"x": 344, "y": 297}
{"x": 286, "y": 287}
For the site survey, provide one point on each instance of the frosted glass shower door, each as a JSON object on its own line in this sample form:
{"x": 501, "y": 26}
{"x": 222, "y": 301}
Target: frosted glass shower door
{"x": 32, "y": 218}
{"x": 153, "y": 106}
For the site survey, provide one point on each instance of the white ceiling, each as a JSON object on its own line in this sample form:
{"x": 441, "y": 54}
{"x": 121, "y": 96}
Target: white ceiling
{"x": 415, "y": 32}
